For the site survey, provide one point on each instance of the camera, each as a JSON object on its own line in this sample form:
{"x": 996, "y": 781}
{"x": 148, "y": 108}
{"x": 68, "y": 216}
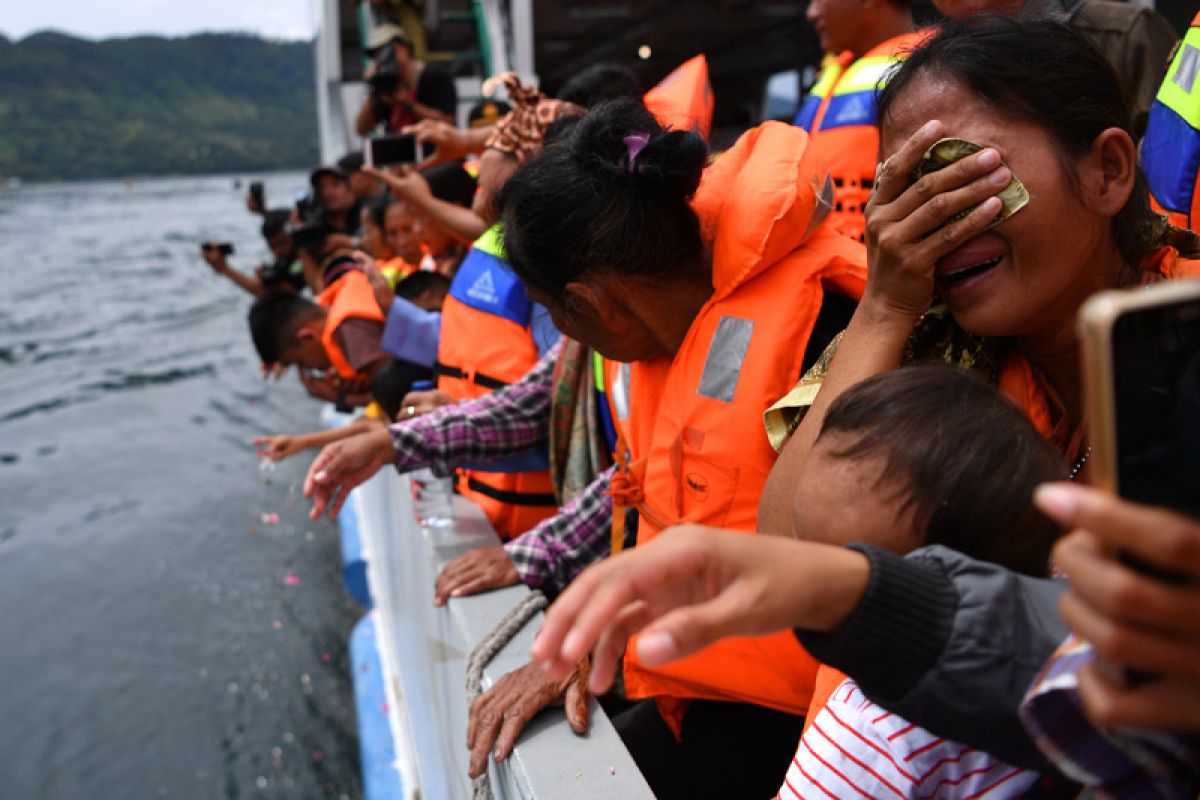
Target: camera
{"x": 308, "y": 232}
{"x": 224, "y": 248}
{"x": 387, "y": 78}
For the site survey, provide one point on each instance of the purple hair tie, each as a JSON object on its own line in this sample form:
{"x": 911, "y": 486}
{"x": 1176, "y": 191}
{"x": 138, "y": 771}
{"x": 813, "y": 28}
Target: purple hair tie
{"x": 636, "y": 143}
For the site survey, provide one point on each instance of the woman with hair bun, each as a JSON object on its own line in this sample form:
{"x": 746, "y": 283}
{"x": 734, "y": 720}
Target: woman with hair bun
{"x": 708, "y": 286}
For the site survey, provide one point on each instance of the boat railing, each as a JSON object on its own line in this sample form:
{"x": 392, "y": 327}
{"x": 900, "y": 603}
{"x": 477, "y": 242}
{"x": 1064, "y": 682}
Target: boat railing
{"x": 408, "y": 528}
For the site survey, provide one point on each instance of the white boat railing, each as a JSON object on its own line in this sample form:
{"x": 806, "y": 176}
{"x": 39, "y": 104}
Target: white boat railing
{"x": 410, "y": 528}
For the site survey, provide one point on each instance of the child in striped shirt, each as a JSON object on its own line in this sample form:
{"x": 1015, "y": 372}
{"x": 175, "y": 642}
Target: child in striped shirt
{"x": 913, "y": 457}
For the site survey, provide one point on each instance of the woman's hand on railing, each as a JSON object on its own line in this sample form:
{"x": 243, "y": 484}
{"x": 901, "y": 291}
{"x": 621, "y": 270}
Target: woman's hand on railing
{"x": 344, "y": 465}
{"x": 478, "y": 570}
{"x": 500, "y": 714}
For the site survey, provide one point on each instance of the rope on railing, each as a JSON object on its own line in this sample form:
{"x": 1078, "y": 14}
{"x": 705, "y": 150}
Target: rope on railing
{"x": 491, "y": 644}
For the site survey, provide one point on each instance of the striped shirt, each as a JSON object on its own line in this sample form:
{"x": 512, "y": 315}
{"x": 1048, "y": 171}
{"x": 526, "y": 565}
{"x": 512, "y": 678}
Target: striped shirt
{"x": 855, "y": 749}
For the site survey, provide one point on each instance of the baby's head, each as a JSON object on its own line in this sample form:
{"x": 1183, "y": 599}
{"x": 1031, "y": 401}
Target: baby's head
{"x": 929, "y": 455}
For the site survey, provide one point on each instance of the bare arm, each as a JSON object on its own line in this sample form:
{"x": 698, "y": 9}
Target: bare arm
{"x": 365, "y": 122}
{"x": 462, "y": 223}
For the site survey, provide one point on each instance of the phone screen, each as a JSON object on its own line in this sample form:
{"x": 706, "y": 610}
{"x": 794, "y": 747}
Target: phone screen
{"x": 1156, "y": 371}
{"x": 385, "y": 151}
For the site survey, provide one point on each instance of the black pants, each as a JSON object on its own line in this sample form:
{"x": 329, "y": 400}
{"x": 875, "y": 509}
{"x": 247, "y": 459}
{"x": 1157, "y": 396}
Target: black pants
{"x": 729, "y": 751}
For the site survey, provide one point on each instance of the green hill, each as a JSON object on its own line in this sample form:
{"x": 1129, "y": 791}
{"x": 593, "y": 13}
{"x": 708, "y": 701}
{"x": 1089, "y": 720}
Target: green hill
{"x": 73, "y": 108}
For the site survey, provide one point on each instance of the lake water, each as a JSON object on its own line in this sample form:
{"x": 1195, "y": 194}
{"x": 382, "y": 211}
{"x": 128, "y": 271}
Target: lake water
{"x": 157, "y": 637}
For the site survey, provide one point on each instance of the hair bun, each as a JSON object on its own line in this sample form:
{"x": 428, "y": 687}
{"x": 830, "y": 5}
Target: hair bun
{"x": 667, "y": 168}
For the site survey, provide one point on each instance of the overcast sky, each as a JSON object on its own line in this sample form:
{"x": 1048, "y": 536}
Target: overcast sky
{"x": 98, "y": 19}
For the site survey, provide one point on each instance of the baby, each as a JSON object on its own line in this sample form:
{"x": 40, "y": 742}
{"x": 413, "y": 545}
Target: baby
{"x": 915, "y": 457}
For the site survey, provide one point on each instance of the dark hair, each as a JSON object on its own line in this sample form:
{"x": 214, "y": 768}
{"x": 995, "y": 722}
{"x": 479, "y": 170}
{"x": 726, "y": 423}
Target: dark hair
{"x": 274, "y": 318}
{"x": 420, "y": 282}
{"x": 393, "y": 381}
{"x": 377, "y": 209}
{"x": 275, "y": 221}
{"x": 1045, "y": 73}
{"x": 965, "y": 458}
{"x": 599, "y": 83}
{"x": 451, "y": 183}
{"x": 582, "y": 206}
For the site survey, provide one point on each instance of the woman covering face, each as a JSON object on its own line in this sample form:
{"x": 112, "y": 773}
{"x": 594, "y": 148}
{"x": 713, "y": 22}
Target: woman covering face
{"x": 955, "y": 275}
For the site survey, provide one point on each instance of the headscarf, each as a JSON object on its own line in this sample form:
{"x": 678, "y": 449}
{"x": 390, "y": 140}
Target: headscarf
{"x": 520, "y": 132}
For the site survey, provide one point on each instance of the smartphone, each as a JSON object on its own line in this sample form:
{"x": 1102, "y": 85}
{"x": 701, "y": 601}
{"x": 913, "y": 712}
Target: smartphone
{"x": 256, "y": 191}
{"x": 1141, "y": 364}
{"x": 385, "y": 151}
{"x": 1141, "y": 359}
{"x": 224, "y": 248}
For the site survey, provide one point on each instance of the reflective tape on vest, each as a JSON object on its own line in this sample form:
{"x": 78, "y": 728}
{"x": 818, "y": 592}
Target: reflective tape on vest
{"x": 620, "y": 391}
{"x": 819, "y": 91}
{"x": 486, "y": 283}
{"x": 1171, "y": 148}
{"x": 726, "y": 352}
{"x": 855, "y": 96}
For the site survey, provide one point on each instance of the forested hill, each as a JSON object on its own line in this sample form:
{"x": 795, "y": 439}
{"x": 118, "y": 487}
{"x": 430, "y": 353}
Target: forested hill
{"x": 73, "y": 108}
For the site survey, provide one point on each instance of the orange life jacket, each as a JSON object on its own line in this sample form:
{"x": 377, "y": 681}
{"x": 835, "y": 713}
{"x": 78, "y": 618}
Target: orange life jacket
{"x": 684, "y": 99}
{"x": 693, "y": 426}
{"x": 839, "y": 113}
{"x": 486, "y": 344}
{"x": 1170, "y": 150}
{"x": 349, "y": 296}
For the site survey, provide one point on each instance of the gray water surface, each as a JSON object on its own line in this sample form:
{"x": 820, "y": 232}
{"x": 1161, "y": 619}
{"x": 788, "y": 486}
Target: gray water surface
{"x": 157, "y": 637}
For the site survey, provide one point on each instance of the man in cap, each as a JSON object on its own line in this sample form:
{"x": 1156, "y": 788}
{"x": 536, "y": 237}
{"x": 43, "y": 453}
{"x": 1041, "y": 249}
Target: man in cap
{"x": 404, "y": 90}
{"x": 339, "y": 206}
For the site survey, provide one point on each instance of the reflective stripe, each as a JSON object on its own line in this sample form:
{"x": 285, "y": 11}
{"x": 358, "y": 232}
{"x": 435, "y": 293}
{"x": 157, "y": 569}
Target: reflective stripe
{"x": 812, "y": 103}
{"x": 849, "y": 109}
{"x": 1170, "y": 151}
{"x": 865, "y": 75}
{"x": 598, "y": 371}
{"x": 1177, "y": 92}
{"x": 1189, "y": 63}
{"x": 726, "y": 352}
{"x": 492, "y": 241}
{"x": 620, "y": 391}
{"x": 486, "y": 283}
{"x": 855, "y": 95}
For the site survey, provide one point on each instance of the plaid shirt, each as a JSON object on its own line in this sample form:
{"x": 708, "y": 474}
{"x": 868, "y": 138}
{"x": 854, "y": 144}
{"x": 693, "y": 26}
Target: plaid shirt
{"x": 559, "y": 548}
{"x": 507, "y": 422}
{"x": 511, "y": 421}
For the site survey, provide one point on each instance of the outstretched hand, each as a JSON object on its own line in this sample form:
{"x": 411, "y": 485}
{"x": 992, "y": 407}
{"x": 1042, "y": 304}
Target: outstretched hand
{"x": 277, "y": 448}
{"x": 688, "y": 588}
{"x": 344, "y": 465}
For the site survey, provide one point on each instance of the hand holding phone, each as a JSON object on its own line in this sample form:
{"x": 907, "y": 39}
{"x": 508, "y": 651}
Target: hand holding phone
{"x": 386, "y": 151}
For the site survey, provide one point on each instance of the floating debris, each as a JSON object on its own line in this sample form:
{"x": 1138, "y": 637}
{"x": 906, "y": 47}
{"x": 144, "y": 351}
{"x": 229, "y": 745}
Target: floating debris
{"x": 270, "y": 519}
{"x": 276, "y": 624}
{"x": 317, "y": 756}
{"x": 291, "y": 579}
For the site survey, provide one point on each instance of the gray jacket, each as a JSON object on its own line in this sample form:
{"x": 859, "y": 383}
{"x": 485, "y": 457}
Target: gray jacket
{"x": 951, "y": 644}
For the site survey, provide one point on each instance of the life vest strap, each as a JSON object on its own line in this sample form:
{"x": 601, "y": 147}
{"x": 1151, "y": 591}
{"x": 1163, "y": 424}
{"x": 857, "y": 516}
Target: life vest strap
{"x": 479, "y": 378}
{"x": 512, "y": 498}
